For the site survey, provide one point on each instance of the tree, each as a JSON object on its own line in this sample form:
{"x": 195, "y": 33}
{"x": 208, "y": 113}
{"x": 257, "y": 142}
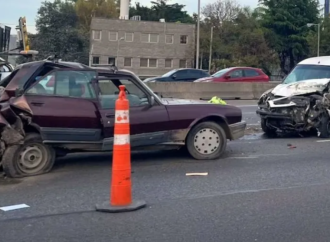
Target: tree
{"x": 87, "y": 9}
{"x": 285, "y": 27}
{"x": 161, "y": 10}
{"x": 58, "y": 33}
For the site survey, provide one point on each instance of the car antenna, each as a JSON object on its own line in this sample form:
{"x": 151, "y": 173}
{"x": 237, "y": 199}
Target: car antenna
{"x": 53, "y": 58}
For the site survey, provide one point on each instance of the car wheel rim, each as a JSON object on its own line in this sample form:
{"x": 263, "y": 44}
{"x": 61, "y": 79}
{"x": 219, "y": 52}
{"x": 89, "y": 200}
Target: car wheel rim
{"x": 206, "y": 141}
{"x": 32, "y": 158}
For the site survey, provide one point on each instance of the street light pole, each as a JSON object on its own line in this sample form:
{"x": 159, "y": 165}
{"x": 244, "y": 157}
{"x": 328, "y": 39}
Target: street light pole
{"x": 118, "y": 50}
{"x": 318, "y": 39}
{"x": 197, "y": 37}
{"x": 210, "y": 57}
{"x": 318, "y": 36}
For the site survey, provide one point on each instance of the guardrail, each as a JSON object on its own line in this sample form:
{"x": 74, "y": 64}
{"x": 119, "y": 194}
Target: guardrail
{"x": 224, "y": 90}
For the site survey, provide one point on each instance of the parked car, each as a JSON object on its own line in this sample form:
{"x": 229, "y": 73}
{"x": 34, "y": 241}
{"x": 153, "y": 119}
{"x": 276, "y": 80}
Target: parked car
{"x": 301, "y": 102}
{"x": 51, "y": 108}
{"x": 179, "y": 75}
{"x": 237, "y": 74}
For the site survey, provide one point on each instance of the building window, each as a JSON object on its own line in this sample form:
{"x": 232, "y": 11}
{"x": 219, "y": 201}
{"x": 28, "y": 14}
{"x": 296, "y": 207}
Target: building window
{"x": 113, "y": 36}
{"x": 145, "y": 62}
{"x": 129, "y": 37}
{"x": 169, "y": 39}
{"x": 168, "y": 63}
{"x": 150, "y": 38}
{"x": 127, "y": 62}
{"x": 183, "y": 39}
{"x": 183, "y": 64}
{"x": 112, "y": 61}
{"x": 96, "y": 60}
{"x": 96, "y": 34}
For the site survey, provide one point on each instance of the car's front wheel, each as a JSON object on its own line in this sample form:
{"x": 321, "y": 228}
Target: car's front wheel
{"x": 267, "y": 130}
{"x": 206, "y": 141}
{"x": 29, "y": 159}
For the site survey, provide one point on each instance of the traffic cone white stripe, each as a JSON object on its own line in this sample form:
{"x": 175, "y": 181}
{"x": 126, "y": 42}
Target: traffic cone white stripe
{"x": 122, "y": 116}
{"x": 121, "y": 139}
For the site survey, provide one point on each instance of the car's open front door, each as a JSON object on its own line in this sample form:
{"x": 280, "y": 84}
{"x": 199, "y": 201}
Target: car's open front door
{"x": 149, "y": 121}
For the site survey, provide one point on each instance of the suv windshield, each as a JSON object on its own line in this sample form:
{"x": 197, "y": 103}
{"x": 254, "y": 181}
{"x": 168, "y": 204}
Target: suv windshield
{"x": 307, "y": 72}
{"x": 221, "y": 72}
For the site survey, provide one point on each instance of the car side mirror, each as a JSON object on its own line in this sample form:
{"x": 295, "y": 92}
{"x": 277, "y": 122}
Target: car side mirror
{"x": 18, "y": 92}
{"x": 152, "y": 100}
{"x": 227, "y": 77}
{"x": 174, "y": 76}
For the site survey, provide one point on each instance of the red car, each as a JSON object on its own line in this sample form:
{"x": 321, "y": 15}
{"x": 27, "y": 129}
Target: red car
{"x": 237, "y": 74}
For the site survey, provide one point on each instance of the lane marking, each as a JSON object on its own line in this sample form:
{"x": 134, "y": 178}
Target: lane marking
{"x": 321, "y": 141}
{"x": 14, "y": 207}
{"x": 245, "y": 105}
{"x": 250, "y": 113}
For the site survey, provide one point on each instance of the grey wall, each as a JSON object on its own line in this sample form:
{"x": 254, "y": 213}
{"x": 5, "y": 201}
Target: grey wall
{"x": 137, "y": 49}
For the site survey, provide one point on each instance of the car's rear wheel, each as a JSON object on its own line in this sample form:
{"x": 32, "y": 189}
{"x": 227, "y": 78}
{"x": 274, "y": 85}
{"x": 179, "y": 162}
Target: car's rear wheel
{"x": 206, "y": 141}
{"x": 29, "y": 159}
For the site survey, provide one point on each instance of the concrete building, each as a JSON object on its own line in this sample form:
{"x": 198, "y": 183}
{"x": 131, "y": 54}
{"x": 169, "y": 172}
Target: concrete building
{"x": 144, "y": 47}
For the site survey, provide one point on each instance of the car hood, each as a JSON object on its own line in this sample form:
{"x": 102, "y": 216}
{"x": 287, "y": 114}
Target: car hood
{"x": 152, "y": 79}
{"x": 204, "y": 79}
{"x": 176, "y": 101}
{"x": 300, "y": 88}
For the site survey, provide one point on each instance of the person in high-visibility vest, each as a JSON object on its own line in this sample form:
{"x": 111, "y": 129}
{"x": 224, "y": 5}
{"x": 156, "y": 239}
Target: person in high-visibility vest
{"x": 217, "y": 100}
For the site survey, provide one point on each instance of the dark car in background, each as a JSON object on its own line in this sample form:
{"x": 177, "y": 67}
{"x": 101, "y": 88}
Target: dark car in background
{"x": 179, "y": 75}
{"x": 237, "y": 74}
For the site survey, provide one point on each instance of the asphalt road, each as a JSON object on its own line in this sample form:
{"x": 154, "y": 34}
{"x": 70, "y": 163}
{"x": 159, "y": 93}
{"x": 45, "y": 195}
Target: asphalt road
{"x": 261, "y": 190}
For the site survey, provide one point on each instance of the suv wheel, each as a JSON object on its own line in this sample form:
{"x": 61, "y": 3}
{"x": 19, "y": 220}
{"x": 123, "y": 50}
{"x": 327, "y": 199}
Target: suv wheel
{"x": 206, "y": 141}
{"x": 29, "y": 159}
{"x": 268, "y": 131}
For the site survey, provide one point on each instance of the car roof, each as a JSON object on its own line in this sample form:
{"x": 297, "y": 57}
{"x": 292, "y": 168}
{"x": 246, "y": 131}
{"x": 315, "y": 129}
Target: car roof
{"x": 73, "y": 65}
{"x": 321, "y": 60}
{"x": 187, "y": 69}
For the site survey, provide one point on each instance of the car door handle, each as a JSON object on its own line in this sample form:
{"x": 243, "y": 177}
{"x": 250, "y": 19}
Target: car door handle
{"x": 110, "y": 115}
{"x": 37, "y": 103}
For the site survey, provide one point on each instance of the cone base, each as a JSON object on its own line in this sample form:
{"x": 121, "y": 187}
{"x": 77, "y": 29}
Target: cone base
{"x": 108, "y": 208}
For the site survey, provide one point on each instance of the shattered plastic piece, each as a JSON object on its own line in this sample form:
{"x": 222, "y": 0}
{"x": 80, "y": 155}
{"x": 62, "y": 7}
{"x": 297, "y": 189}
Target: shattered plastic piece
{"x": 197, "y": 174}
{"x": 11, "y": 136}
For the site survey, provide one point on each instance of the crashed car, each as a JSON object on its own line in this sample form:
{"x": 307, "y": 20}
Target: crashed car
{"x": 51, "y": 108}
{"x": 301, "y": 103}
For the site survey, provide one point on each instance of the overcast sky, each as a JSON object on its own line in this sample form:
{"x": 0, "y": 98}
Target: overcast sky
{"x": 11, "y": 10}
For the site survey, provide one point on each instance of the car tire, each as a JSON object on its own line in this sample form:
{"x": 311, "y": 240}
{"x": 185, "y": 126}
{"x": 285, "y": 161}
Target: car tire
{"x": 206, "y": 141}
{"x": 28, "y": 159}
{"x": 268, "y": 131}
{"x": 324, "y": 128}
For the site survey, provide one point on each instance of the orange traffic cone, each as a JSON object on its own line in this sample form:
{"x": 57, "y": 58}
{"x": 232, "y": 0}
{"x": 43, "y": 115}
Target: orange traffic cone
{"x": 121, "y": 185}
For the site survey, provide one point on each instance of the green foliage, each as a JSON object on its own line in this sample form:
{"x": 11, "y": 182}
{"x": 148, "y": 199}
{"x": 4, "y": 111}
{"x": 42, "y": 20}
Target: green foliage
{"x": 162, "y": 10}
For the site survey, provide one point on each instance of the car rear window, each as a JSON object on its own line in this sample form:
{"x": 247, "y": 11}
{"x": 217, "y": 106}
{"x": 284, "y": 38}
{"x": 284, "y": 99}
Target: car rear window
{"x": 4, "y": 82}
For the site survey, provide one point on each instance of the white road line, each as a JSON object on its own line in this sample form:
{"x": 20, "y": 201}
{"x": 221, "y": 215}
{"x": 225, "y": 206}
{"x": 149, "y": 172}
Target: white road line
{"x": 324, "y": 140}
{"x": 14, "y": 207}
{"x": 249, "y": 113}
{"x": 245, "y": 105}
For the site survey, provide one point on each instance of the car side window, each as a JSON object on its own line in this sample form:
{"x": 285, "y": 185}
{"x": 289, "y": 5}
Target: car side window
{"x": 65, "y": 83}
{"x": 181, "y": 74}
{"x": 109, "y": 90}
{"x": 202, "y": 74}
{"x": 236, "y": 74}
{"x": 251, "y": 73}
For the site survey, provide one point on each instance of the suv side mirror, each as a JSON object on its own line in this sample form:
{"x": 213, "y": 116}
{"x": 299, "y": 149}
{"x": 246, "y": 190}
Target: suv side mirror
{"x": 227, "y": 77}
{"x": 152, "y": 100}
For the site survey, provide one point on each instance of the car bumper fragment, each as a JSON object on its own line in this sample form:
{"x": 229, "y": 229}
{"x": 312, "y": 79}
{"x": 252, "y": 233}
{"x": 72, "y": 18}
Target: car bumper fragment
{"x": 237, "y": 130}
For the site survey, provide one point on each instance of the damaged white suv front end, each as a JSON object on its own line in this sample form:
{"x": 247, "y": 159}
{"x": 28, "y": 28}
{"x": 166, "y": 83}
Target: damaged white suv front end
{"x": 301, "y": 103}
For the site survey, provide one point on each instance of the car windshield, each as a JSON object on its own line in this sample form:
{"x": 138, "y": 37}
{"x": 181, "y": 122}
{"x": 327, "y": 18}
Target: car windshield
{"x": 169, "y": 73}
{"x": 307, "y": 72}
{"x": 221, "y": 72}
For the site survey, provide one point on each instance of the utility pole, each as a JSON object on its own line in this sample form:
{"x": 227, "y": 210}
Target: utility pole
{"x": 210, "y": 57}
{"x": 197, "y": 39}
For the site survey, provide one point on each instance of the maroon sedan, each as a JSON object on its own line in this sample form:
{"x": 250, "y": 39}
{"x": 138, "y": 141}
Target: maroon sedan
{"x": 237, "y": 74}
{"x": 51, "y": 108}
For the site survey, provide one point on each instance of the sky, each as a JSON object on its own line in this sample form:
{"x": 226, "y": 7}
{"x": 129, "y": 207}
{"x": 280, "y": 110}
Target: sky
{"x": 11, "y": 10}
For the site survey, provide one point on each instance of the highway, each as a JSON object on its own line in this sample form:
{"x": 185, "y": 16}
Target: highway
{"x": 261, "y": 190}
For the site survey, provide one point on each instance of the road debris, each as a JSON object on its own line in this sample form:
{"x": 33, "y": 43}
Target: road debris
{"x": 197, "y": 174}
{"x": 14, "y": 207}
